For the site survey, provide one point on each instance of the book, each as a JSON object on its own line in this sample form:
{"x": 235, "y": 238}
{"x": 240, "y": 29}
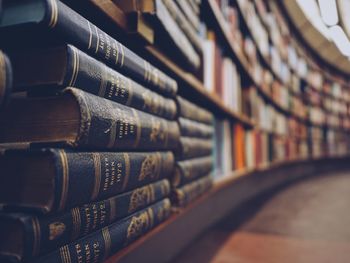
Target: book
{"x": 184, "y": 24}
{"x": 189, "y": 13}
{"x": 6, "y": 77}
{"x": 163, "y": 16}
{"x": 38, "y": 70}
{"x": 191, "y": 169}
{"x": 46, "y": 233}
{"x": 56, "y": 179}
{"x": 97, "y": 246}
{"x": 190, "y": 128}
{"x": 191, "y": 111}
{"x": 238, "y": 146}
{"x": 80, "y": 119}
{"x": 186, "y": 194}
{"x": 53, "y": 21}
{"x": 193, "y": 147}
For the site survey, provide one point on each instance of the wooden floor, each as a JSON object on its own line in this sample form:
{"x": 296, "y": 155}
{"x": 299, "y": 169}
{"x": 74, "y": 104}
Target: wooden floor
{"x": 308, "y": 221}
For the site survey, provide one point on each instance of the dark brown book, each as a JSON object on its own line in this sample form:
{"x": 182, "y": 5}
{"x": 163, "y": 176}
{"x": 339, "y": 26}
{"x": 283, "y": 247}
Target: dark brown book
{"x": 80, "y": 119}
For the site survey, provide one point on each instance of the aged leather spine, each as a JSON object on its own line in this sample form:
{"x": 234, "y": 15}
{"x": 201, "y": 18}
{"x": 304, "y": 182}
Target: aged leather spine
{"x": 5, "y": 77}
{"x": 83, "y": 177}
{"x": 85, "y": 72}
{"x": 97, "y": 246}
{"x": 50, "y": 232}
{"x": 106, "y": 124}
{"x": 191, "y": 111}
{"x": 193, "y": 147}
{"x": 190, "y": 128}
{"x": 189, "y": 170}
{"x": 187, "y": 193}
{"x": 64, "y": 23}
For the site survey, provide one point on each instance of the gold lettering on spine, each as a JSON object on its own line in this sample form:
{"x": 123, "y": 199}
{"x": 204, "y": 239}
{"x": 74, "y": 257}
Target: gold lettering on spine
{"x": 138, "y": 128}
{"x": 65, "y": 179}
{"x": 76, "y": 223}
{"x": 97, "y": 40}
{"x": 117, "y": 50}
{"x": 122, "y": 53}
{"x": 90, "y": 35}
{"x": 54, "y": 14}
{"x": 130, "y": 91}
{"x": 127, "y": 170}
{"x": 2, "y": 76}
{"x": 97, "y": 165}
{"x": 37, "y": 236}
{"x": 107, "y": 240}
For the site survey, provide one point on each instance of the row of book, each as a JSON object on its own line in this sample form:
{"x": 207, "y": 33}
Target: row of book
{"x": 285, "y": 53}
{"x": 96, "y": 146}
{"x": 240, "y": 149}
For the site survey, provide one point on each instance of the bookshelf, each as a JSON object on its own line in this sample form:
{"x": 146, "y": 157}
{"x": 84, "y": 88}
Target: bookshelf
{"x": 302, "y": 130}
{"x": 280, "y": 172}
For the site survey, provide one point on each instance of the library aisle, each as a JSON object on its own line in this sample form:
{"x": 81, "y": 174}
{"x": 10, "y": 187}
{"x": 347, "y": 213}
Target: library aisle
{"x": 304, "y": 222}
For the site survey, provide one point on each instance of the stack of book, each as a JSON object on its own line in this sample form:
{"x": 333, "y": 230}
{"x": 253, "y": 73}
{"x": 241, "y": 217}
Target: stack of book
{"x": 98, "y": 126}
{"x": 194, "y": 161}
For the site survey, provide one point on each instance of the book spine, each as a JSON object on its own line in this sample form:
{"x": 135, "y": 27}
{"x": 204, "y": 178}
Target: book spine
{"x": 189, "y": 170}
{"x": 89, "y": 74}
{"x": 60, "y": 229}
{"x": 5, "y": 78}
{"x": 107, "y": 124}
{"x": 191, "y": 16}
{"x": 186, "y": 194}
{"x": 193, "y": 147}
{"x": 97, "y": 43}
{"x": 97, "y": 246}
{"x": 183, "y": 23}
{"x": 177, "y": 35}
{"x": 195, "y": 129}
{"x": 193, "y": 112}
{"x": 87, "y": 176}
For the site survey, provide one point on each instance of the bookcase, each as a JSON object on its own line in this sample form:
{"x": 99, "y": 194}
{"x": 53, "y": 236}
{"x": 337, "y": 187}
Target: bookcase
{"x": 281, "y": 113}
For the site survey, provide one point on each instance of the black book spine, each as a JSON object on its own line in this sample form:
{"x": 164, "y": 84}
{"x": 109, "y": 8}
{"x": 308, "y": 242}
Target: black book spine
{"x": 186, "y": 194}
{"x": 47, "y": 233}
{"x": 5, "y": 77}
{"x": 84, "y": 177}
{"x": 95, "y": 77}
{"x": 97, "y": 43}
{"x": 193, "y": 147}
{"x": 106, "y": 124}
{"x": 189, "y": 170}
{"x": 190, "y": 128}
{"x": 193, "y": 112}
{"x": 97, "y": 246}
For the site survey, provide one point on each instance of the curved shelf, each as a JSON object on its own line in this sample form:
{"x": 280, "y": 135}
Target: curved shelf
{"x": 187, "y": 223}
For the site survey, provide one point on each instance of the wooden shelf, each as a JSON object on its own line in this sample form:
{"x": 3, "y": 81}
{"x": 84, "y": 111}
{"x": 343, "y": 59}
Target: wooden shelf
{"x": 187, "y": 223}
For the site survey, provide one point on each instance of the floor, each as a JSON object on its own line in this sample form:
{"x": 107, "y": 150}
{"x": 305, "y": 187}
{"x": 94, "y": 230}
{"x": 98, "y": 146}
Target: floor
{"x": 309, "y": 221}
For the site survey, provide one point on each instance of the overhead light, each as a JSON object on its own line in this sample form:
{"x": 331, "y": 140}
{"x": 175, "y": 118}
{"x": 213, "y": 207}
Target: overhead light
{"x": 340, "y": 39}
{"x": 329, "y": 12}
